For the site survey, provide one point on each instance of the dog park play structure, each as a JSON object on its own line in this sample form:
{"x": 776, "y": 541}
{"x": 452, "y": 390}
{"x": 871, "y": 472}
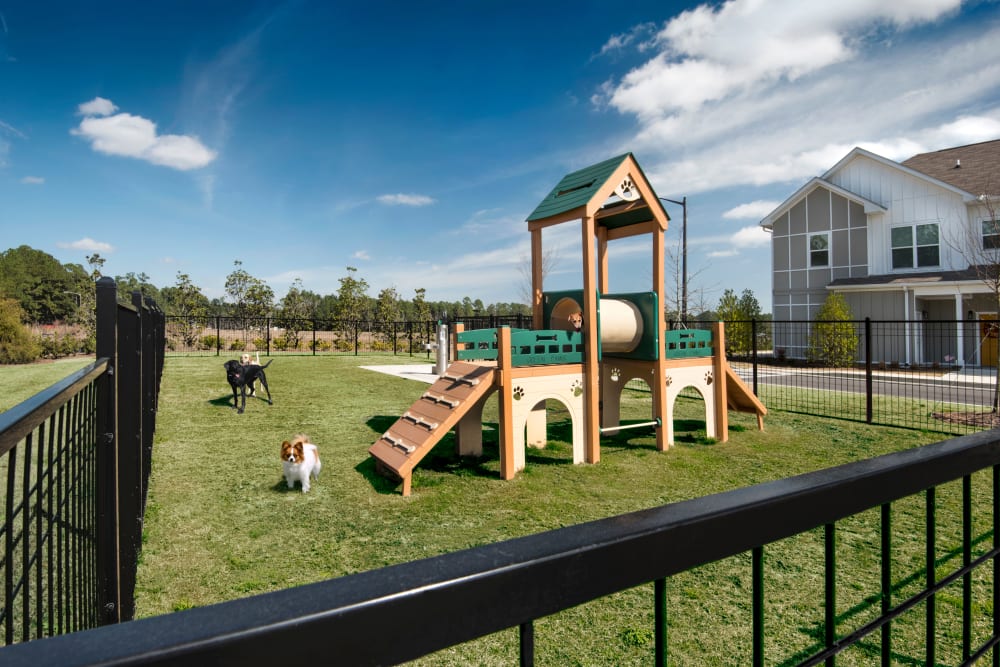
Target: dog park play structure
{"x": 621, "y": 337}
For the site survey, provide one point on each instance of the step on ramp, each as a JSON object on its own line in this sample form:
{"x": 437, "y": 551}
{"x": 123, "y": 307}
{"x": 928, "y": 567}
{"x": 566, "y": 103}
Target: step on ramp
{"x": 430, "y": 417}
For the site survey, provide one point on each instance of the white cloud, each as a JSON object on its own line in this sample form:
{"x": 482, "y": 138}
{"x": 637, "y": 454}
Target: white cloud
{"x": 132, "y": 136}
{"x": 751, "y": 237}
{"x": 756, "y": 92}
{"x": 405, "y": 200}
{"x": 96, "y": 107}
{"x": 717, "y": 254}
{"x": 33, "y": 180}
{"x": 88, "y": 244}
{"x": 754, "y": 210}
{"x": 361, "y": 254}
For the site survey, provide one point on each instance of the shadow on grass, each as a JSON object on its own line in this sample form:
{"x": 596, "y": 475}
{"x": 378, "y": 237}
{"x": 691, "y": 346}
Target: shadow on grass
{"x": 227, "y": 400}
{"x": 442, "y": 458}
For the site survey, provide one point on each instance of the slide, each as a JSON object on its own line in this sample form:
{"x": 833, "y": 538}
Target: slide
{"x": 739, "y": 397}
{"x": 429, "y": 419}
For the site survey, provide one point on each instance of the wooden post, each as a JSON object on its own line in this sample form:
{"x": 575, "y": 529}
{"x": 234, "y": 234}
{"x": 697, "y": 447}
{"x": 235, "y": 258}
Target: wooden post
{"x": 660, "y": 365}
{"x": 536, "y": 279}
{"x": 506, "y": 390}
{"x": 592, "y": 369}
{"x": 719, "y": 371}
{"x": 602, "y": 259}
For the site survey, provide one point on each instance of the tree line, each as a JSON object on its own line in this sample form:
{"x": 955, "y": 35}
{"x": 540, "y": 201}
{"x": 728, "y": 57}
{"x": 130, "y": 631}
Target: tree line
{"x": 36, "y": 288}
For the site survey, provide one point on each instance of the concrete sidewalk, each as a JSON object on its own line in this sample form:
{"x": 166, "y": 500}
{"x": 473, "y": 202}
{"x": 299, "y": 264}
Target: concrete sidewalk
{"x": 418, "y": 372}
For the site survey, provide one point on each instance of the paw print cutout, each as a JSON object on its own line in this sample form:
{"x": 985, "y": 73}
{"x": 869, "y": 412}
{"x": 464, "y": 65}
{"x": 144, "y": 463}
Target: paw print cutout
{"x": 576, "y": 387}
{"x": 708, "y": 378}
{"x": 518, "y": 393}
{"x": 616, "y": 374}
{"x": 668, "y": 381}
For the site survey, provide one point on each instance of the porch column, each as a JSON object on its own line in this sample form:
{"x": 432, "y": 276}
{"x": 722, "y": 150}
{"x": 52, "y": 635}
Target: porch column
{"x": 959, "y": 330}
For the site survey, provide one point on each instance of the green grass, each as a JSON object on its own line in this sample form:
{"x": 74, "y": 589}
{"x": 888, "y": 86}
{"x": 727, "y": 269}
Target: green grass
{"x": 222, "y": 525}
{"x": 24, "y": 381}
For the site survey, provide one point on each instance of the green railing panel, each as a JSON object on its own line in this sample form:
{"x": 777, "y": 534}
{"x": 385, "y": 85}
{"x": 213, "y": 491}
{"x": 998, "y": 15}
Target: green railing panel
{"x": 528, "y": 348}
{"x": 681, "y": 343}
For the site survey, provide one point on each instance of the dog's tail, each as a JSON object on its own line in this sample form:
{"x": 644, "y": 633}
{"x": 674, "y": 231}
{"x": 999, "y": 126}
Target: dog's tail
{"x": 267, "y": 364}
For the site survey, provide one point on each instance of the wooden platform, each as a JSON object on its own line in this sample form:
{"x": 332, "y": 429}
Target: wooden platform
{"x": 430, "y": 417}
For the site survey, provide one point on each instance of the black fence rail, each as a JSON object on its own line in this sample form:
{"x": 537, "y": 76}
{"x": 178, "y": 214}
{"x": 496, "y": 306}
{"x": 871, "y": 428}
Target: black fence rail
{"x": 937, "y": 376}
{"x": 219, "y": 335}
{"x": 403, "y": 612}
{"x": 75, "y": 462}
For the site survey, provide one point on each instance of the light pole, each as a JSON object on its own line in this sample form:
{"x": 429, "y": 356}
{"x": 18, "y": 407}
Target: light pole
{"x": 683, "y": 203}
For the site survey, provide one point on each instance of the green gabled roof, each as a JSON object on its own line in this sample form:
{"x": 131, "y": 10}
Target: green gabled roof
{"x": 576, "y": 189}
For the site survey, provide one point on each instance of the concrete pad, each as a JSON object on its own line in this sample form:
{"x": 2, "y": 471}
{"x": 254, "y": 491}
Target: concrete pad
{"x": 419, "y": 372}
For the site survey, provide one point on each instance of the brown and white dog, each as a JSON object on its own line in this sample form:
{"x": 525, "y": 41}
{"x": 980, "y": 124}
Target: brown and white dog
{"x": 300, "y": 459}
{"x": 576, "y": 319}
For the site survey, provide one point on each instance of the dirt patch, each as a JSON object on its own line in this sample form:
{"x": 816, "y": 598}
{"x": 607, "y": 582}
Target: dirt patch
{"x": 978, "y": 419}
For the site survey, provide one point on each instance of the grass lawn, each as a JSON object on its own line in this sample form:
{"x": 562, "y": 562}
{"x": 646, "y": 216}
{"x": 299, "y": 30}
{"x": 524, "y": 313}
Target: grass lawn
{"x": 24, "y": 381}
{"x": 221, "y": 523}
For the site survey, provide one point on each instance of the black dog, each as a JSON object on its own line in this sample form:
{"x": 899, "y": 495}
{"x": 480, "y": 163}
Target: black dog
{"x": 240, "y": 376}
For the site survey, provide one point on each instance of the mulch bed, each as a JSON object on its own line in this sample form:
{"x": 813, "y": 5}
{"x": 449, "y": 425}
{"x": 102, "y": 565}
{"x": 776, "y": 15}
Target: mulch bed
{"x": 979, "y": 419}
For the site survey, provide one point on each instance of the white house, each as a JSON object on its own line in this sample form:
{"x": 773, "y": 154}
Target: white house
{"x": 901, "y": 241}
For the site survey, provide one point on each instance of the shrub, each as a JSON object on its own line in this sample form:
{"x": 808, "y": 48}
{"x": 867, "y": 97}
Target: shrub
{"x": 56, "y": 346}
{"x": 833, "y": 339}
{"x": 321, "y": 345}
{"x": 237, "y": 345}
{"x": 17, "y": 346}
{"x": 209, "y": 342}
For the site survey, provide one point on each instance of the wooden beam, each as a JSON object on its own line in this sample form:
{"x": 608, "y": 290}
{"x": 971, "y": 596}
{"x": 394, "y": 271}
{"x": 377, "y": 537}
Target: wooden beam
{"x": 659, "y": 389}
{"x": 719, "y": 371}
{"x": 506, "y": 393}
{"x": 633, "y": 230}
{"x": 566, "y": 216}
{"x": 536, "y": 279}
{"x": 602, "y": 259}
{"x": 592, "y": 415}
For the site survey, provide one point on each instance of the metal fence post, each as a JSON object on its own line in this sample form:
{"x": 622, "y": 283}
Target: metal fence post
{"x": 108, "y": 581}
{"x": 753, "y": 351}
{"x": 218, "y": 337}
{"x": 868, "y": 370}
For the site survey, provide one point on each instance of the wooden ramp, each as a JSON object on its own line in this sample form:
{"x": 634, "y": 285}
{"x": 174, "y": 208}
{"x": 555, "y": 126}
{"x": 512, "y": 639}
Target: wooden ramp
{"x": 739, "y": 397}
{"x": 421, "y": 427}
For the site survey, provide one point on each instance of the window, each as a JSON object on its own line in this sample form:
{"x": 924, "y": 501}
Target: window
{"x": 915, "y": 246}
{"x": 991, "y": 234}
{"x": 819, "y": 250}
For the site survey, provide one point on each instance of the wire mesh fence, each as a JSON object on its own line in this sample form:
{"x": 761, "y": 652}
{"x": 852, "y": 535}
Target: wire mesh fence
{"x": 218, "y": 335}
{"x": 932, "y": 375}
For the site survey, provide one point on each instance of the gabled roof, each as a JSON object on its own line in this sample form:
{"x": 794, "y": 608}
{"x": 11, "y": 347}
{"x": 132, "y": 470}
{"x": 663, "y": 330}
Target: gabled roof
{"x": 856, "y": 152}
{"x": 592, "y": 187}
{"x": 974, "y": 168}
{"x": 805, "y": 190}
{"x": 576, "y": 189}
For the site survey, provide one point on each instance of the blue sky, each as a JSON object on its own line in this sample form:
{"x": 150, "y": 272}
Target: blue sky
{"x": 411, "y": 140}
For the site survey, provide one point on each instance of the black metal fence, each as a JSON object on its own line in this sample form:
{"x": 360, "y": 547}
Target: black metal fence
{"x": 937, "y": 376}
{"x": 219, "y": 334}
{"x": 75, "y": 463}
{"x": 406, "y": 611}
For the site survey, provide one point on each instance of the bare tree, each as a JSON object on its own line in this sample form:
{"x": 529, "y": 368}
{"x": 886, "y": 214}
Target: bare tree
{"x": 980, "y": 247}
{"x": 673, "y": 289}
{"x": 550, "y": 258}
